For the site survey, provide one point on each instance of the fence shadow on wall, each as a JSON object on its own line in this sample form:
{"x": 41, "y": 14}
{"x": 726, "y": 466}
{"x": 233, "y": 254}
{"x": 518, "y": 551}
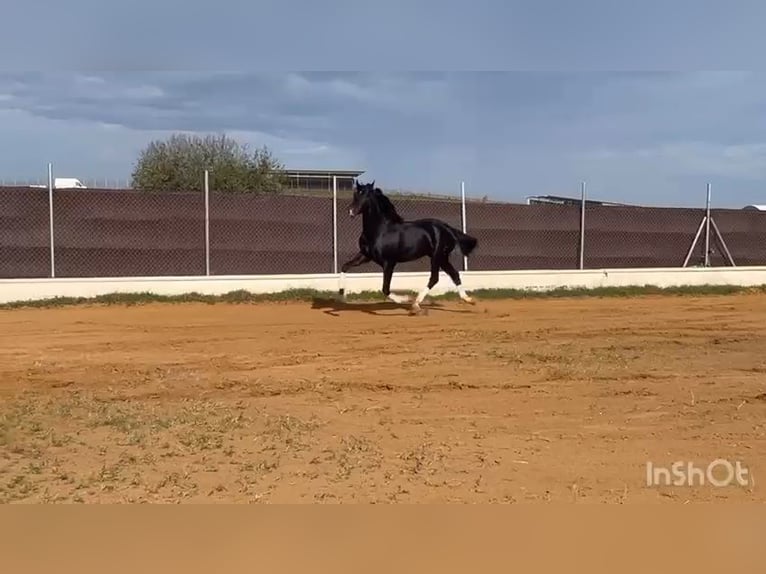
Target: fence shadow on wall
{"x": 119, "y": 233}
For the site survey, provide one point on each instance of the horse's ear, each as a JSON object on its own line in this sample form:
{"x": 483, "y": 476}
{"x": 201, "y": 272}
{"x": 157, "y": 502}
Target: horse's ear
{"x": 372, "y": 185}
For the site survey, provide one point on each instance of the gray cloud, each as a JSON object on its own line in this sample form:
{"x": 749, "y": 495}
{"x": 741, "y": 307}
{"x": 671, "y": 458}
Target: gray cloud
{"x": 644, "y": 137}
{"x": 283, "y": 105}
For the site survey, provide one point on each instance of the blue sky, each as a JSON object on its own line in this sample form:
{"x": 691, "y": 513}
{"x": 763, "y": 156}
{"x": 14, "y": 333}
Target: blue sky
{"x": 644, "y": 137}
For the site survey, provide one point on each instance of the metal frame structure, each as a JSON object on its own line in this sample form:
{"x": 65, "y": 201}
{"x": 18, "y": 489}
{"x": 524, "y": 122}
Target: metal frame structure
{"x": 706, "y": 223}
{"x": 330, "y": 175}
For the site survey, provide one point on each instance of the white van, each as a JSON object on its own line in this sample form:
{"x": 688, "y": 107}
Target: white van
{"x": 68, "y": 183}
{"x": 64, "y": 183}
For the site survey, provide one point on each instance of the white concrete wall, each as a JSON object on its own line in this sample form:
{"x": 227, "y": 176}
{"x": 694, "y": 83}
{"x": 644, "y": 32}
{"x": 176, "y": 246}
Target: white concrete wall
{"x": 31, "y": 289}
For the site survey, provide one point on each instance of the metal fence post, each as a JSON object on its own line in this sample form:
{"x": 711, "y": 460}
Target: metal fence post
{"x": 50, "y": 219}
{"x": 462, "y": 202}
{"x": 582, "y": 225}
{"x": 207, "y": 222}
{"x": 707, "y": 228}
{"x": 335, "y": 224}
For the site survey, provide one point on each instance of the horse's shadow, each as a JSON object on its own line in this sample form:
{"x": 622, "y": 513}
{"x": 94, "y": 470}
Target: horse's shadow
{"x": 332, "y": 307}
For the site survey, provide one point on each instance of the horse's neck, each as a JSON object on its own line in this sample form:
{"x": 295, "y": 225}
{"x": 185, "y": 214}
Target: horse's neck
{"x": 373, "y": 219}
{"x": 371, "y": 222}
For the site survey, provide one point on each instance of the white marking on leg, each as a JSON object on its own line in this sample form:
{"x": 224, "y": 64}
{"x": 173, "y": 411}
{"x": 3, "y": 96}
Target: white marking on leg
{"x": 398, "y": 298}
{"x": 463, "y": 295}
{"x": 422, "y": 295}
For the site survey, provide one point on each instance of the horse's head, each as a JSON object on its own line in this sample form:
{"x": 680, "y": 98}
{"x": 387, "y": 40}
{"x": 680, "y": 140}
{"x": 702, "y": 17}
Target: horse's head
{"x": 363, "y": 194}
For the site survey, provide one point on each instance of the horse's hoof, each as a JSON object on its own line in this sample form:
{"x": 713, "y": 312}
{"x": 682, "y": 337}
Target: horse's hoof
{"x": 469, "y": 301}
{"x": 417, "y": 311}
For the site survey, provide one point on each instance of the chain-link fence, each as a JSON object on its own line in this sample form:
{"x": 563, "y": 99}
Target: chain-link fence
{"x": 25, "y": 246}
{"x": 110, "y": 233}
{"x": 128, "y": 233}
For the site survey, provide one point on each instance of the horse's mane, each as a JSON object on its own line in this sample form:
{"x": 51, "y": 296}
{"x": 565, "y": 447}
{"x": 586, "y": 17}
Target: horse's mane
{"x": 387, "y": 207}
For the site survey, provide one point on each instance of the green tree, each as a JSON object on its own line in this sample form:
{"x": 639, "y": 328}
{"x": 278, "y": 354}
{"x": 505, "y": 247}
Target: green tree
{"x": 179, "y": 163}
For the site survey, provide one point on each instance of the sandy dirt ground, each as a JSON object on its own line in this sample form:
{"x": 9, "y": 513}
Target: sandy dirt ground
{"x": 506, "y": 401}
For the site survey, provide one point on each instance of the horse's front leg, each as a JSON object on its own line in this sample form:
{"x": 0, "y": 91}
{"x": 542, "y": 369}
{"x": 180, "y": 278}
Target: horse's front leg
{"x": 388, "y": 272}
{"x": 358, "y": 259}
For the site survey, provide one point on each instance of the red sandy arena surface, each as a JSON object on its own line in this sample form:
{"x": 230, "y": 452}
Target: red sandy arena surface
{"x": 507, "y": 401}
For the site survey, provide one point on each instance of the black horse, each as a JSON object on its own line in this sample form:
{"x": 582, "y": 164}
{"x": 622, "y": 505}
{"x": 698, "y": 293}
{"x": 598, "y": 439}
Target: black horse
{"x": 387, "y": 240}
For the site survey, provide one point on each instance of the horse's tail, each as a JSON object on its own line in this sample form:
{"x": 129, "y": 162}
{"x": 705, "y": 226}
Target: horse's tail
{"x": 466, "y": 242}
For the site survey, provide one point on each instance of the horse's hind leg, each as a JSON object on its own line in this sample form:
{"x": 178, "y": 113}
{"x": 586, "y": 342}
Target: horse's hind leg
{"x": 450, "y": 270}
{"x": 432, "y": 280}
{"x": 388, "y": 271}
